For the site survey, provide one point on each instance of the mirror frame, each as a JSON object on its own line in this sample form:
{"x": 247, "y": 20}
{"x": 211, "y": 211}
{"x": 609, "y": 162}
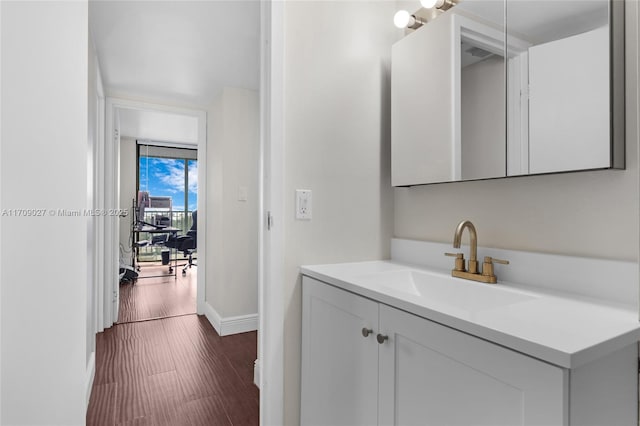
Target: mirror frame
{"x": 617, "y": 83}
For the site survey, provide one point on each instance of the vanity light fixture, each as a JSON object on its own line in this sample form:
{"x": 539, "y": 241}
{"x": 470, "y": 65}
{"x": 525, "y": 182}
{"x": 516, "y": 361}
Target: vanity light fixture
{"x": 403, "y": 19}
{"x": 438, "y": 4}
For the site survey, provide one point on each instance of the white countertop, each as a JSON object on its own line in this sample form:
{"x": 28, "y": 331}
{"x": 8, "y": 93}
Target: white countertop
{"x": 563, "y": 329}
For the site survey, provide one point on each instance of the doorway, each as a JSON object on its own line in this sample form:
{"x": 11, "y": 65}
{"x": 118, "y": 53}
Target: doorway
{"x": 159, "y": 184}
{"x": 125, "y": 123}
{"x": 201, "y": 52}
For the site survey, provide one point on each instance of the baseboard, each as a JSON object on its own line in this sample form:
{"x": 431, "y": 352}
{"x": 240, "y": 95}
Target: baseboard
{"x": 239, "y": 324}
{"x": 256, "y": 373}
{"x": 91, "y": 374}
{"x": 213, "y": 316}
{"x": 230, "y": 325}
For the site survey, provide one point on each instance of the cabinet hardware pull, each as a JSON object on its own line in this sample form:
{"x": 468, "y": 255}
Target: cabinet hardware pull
{"x": 366, "y": 331}
{"x": 382, "y": 338}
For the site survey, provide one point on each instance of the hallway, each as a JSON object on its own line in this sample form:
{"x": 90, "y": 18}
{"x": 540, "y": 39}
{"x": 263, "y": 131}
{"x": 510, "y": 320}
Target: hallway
{"x": 173, "y": 371}
{"x": 154, "y": 296}
{"x": 164, "y": 365}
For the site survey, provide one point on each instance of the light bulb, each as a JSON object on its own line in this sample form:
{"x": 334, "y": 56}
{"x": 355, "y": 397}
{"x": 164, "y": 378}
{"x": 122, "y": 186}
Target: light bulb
{"x": 428, "y": 4}
{"x": 401, "y": 19}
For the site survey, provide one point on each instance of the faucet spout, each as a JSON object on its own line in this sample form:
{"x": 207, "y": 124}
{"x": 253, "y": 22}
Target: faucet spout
{"x": 473, "y": 236}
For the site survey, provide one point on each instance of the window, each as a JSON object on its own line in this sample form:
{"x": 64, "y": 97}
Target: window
{"x": 170, "y": 176}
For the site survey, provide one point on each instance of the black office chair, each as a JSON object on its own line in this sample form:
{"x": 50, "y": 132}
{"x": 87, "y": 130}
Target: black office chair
{"x": 187, "y": 243}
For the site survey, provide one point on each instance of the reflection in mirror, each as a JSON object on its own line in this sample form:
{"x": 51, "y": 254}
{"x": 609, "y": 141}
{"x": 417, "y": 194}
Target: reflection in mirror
{"x": 482, "y": 97}
{"x": 564, "y": 114}
{"x": 469, "y": 102}
{"x": 448, "y": 107}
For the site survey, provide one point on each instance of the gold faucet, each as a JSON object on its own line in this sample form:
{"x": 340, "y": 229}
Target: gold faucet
{"x": 473, "y": 244}
{"x": 460, "y": 271}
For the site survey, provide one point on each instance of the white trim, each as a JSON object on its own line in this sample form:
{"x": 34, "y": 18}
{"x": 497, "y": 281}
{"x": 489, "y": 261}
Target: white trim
{"x": 202, "y": 211}
{"x": 636, "y": 77}
{"x": 213, "y": 316}
{"x": 271, "y": 241}
{"x": 91, "y": 374}
{"x": 112, "y": 199}
{"x": 256, "y": 373}
{"x": 110, "y": 180}
{"x": 115, "y": 221}
{"x": 1, "y": 284}
{"x": 98, "y": 200}
{"x": 239, "y": 324}
{"x": 230, "y": 325}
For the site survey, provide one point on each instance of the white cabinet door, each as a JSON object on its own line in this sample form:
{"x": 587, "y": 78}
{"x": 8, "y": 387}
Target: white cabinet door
{"x": 422, "y": 100}
{"x": 339, "y": 364}
{"x": 569, "y": 103}
{"x": 433, "y": 375}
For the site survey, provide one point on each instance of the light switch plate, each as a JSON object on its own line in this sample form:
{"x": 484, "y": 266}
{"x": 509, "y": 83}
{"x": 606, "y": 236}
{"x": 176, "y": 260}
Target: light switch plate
{"x": 242, "y": 193}
{"x": 303, "y": 204}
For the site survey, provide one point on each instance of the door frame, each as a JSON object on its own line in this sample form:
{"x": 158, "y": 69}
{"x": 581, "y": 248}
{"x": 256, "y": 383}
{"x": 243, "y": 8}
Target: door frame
{"x": 99, "y": 199}
{"x": 110, "y": 294}
{"x": 270, "y": 364}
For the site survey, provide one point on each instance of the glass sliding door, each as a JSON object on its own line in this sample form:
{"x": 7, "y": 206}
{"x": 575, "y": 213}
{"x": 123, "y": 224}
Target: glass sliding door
{"x": 170, "y": 176}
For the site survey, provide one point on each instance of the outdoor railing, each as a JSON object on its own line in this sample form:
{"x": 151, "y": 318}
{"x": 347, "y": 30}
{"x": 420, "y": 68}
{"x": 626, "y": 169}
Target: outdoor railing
{"x": 177, "y": 219}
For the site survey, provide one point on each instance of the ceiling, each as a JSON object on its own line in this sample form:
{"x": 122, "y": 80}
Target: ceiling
{"x": 180, "y": 52}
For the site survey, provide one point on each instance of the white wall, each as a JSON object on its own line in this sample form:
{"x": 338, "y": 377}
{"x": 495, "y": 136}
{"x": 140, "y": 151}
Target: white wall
{"x": 337, "y": 144}
{"x": 44, "y": 166}
{"x": 592, "y": 214}
{"x": 232, "y": 228}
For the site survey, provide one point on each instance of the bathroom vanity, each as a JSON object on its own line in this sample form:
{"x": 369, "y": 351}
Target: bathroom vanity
{"x": 390, "y": 342}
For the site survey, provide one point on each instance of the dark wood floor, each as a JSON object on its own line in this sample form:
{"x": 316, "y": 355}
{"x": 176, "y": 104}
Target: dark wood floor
{"x": 172, "y": 371}
{"x": 158, "y": 297}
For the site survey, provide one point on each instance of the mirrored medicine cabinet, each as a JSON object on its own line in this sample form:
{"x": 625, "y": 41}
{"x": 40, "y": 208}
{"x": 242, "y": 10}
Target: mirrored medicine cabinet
{"x": 499, "y": 88}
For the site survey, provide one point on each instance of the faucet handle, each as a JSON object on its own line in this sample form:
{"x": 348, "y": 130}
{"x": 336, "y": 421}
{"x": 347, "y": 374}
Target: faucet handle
{"x": 488, "y": 259}
{"x": 460, "y": 263}
{"x": 487, "y": 266}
